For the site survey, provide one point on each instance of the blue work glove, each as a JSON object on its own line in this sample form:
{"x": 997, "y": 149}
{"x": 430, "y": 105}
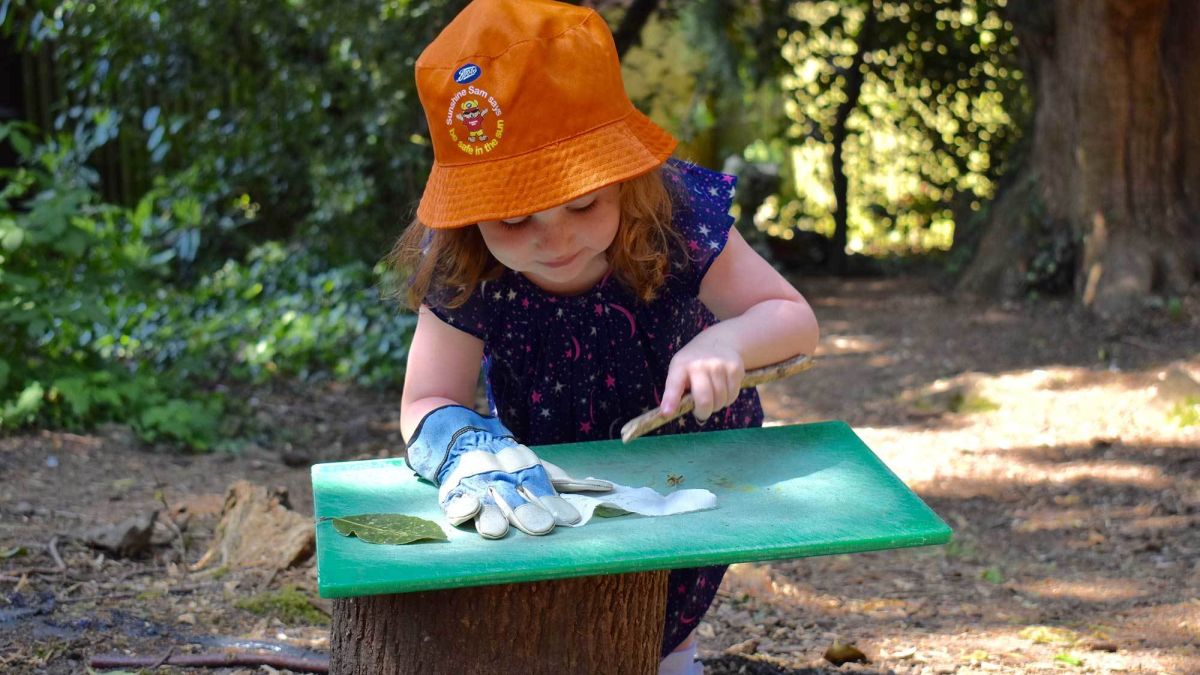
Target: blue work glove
{"x": 482, "y": 472}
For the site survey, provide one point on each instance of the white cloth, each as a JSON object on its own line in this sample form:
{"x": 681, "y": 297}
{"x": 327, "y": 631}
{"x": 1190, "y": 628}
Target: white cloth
{"x": 682, "y": 662}
{"x": 643, "y": 501}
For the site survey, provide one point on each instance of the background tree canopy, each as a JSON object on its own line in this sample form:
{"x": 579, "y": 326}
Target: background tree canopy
{"x": 905, "y": 112}
{"x": 198, "y": 192}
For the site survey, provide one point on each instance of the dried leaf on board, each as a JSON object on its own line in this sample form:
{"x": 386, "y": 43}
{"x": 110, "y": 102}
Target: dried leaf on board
{"x": 388, "y": 528}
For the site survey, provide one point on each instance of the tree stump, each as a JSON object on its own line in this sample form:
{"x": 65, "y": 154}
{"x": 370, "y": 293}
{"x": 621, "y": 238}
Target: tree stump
{"x": 600, "y": 624}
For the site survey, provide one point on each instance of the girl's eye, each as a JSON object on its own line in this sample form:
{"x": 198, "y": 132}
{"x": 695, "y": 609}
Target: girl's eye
{"x": 514, "y": 223}
{"x": 582, "y": 209}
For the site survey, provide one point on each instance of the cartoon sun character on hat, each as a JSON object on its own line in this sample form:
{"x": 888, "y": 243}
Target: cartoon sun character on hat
{"x": 472, "y": 116}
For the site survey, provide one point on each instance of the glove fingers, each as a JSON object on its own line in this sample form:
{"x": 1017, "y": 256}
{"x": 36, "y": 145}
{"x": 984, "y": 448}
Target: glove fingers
{"x": 565, "y": 483}
{"x": 561, "y": 509}
{"x": 537, "y": 488}
{"x": 460, "y": 508}
{"x": 491, "y": 522}
{"x": 583, "y": 485}
{"x": 528, "y": 517}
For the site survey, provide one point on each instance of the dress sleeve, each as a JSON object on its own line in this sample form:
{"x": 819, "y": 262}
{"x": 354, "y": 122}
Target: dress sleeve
{"x": 470, "y": 317}
{"x": 702, "y": 201}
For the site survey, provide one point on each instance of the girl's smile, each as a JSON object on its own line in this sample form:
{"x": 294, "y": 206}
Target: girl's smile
{"x": 561, "y": 262}
{"x": 562, "y": 250}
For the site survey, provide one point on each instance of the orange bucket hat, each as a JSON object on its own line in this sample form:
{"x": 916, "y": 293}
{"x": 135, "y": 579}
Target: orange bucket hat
{"x": 527, "y": 111}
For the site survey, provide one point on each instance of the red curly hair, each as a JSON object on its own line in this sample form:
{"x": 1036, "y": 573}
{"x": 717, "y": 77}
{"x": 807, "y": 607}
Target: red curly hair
{"x": 450, "y": 263}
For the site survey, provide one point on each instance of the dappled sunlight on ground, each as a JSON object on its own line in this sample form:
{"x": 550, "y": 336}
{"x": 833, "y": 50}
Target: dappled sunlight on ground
{"x": 1048, "y": 443}
{"x": 1092, "y": 589}
{"x": 1042, "y": 437}
{"x": 850, "y": 344}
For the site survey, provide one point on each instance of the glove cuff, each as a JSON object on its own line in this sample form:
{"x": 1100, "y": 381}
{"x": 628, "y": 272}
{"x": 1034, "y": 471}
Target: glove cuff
{"x": 437, "y": 433}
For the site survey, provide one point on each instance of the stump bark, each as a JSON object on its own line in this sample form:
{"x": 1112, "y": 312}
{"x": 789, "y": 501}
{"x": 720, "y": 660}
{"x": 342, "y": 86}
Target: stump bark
{"x": 601, "y": 624}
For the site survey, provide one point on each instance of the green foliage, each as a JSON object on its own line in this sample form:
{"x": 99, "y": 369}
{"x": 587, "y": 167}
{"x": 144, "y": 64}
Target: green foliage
{"x": 284, "y": 311}
{"x": 93, "y": 328}
{"x": 942, "y": 104}
{"x": 68, "y": 260}
{"x": 276, "y": 119}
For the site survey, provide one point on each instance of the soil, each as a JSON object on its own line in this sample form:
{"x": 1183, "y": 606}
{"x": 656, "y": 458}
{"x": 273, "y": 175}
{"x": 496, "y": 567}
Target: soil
{"x": 1059, "y": 447}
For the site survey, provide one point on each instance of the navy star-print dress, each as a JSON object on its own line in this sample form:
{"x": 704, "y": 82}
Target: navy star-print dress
{"x": 561, "y": 369}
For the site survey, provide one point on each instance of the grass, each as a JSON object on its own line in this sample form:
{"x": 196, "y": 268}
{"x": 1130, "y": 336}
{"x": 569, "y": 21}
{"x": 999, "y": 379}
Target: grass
{"x": 972, "y": 403}
{"x": 289, "y": 604}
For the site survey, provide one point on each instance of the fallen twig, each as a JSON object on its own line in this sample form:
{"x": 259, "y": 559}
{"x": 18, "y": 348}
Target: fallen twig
{"x": 52, "y": 548}
{"x": 1144, "y": 345}
{"x": 37, "y": 570}
{"x": 170, "y": 651}
{"x": 212, "y": 660}
{"x": 270, "y": 578}
{"x": 105, "y": 597}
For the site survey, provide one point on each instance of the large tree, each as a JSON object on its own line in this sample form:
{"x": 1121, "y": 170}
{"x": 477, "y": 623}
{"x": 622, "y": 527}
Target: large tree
{"x": 1111, "y": 192}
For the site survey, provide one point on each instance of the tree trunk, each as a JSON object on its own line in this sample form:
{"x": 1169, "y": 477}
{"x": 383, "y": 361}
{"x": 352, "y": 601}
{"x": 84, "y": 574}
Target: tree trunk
{"x": 1115, "y": 163}
{"x": 841, "y": 184}
{"x": 629, "y": 33}
{"x": 602, "y": 624}
{"x": 12, "y": 105}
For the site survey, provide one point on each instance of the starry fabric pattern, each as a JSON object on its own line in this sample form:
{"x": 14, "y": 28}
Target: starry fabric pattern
{"x": 562, "y": 369}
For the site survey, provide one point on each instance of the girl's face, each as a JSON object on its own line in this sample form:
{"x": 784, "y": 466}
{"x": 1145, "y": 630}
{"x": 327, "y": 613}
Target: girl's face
{"x": 562, "y": 249}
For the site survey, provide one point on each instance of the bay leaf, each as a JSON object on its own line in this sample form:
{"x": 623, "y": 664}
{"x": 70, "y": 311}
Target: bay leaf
{"x": 605, "y": 511}
{"x": 388, "y": 528}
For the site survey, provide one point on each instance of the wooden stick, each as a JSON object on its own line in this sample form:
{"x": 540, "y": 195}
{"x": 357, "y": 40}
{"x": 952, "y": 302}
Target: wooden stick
{"x": 653, "y": 418}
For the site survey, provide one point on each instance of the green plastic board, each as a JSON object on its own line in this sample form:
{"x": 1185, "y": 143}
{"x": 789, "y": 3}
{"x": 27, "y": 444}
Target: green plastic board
{"x": 782, "y": 492}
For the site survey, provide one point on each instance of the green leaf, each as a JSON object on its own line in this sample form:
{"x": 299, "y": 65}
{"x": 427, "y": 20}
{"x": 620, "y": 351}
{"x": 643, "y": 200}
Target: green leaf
{"x": 1049, "y": 635}
{"x": 11, "y": 234}
{"x": 20, "y": 142}
{"x": 1069, "y": 658}
{"x": 73, "y": 243}
{"x": 4, "y": 371}
{"x": 13, "y": 552}
{"x": 25, "y": 407}
{"x": 76, "y": 393}
{"x": 188, "y": 211}
{"x": 992, "y": 576}
{"x": 388, "y": 528}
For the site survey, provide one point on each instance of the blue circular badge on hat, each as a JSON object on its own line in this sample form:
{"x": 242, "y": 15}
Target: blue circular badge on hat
{"x": 468, "y": 73}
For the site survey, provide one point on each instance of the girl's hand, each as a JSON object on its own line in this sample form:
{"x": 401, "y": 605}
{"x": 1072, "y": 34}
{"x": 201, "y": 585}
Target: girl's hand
{"x": 711, "y": 371}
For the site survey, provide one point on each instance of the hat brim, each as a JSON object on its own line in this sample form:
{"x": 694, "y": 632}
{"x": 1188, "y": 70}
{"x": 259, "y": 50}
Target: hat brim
{"x": 469, "y": 193}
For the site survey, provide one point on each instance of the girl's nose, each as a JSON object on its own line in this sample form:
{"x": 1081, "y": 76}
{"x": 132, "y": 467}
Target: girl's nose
{"x": 553, "y": 233}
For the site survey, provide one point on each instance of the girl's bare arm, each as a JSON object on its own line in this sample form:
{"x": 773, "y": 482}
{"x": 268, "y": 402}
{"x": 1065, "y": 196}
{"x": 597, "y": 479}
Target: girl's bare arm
{"x": 761, "y": 314}
{"x": 443, "y": 369}
{"x": 763, "y": 320}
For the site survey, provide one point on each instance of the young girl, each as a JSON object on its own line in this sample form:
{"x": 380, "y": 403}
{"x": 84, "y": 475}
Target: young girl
{"x": 592, "y": 277}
